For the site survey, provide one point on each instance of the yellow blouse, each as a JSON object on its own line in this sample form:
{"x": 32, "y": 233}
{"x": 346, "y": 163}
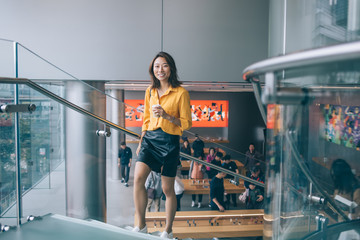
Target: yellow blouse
{"x": 175, "y": 102}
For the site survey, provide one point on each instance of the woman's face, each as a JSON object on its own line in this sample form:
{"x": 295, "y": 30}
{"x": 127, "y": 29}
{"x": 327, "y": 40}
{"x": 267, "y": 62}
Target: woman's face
{"x": 161, "y": 69}
{"x": 212, "y": 152}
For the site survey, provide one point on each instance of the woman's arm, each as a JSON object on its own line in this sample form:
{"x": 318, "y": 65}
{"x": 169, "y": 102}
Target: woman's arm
{"x": 140, "y": 141}
{"x": 172, "y": 119}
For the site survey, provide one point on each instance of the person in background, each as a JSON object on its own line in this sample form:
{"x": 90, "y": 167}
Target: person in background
{"x": 346, "y": 185}
{"x": 196, "y": 173}
{"x": 252, "y": 158}
{"x": 209, "y": 158}
{"x": 167, "y": 114}
{"x": 217, "y": 191}
{"x": 185, "y": 148}
{"x": 179, "y": 191}
{"x": 124, "y": 160}
{"x": 217, "y": 162}
{"x": 198, "y": 146}
{"x": 255, "y": 199}
{"x": 230, "y": 165}
{"x": 154, "y": 181}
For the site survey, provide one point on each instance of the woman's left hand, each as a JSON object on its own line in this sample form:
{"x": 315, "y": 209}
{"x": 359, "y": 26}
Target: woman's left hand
{"x": 158, "y": 110}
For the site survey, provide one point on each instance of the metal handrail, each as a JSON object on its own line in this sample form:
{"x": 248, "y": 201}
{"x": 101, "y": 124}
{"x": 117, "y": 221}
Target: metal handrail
{"x": 65, "y": 102}
{"x": 337, "y": 53}
{"x": 111, "y": 124}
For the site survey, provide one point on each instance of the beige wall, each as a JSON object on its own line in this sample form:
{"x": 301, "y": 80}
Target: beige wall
{"x": 211, "y": 40}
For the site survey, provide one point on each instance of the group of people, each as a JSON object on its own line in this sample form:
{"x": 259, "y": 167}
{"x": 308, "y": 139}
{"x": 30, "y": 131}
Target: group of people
{"x": 197, "y": 171}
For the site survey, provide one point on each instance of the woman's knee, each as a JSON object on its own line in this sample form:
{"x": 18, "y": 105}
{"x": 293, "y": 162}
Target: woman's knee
{"x": 139, "y": 179}
{"x": 169, "y": 192}
{"x": 168, "y": 189}
{"x": 141, "y": 173}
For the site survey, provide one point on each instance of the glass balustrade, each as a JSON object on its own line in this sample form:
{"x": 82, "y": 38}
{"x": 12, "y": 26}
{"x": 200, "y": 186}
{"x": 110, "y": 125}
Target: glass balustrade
{"x": 43, "y": 135}
{"x": 313, "y": 145}
{"x": 40, "y": 146}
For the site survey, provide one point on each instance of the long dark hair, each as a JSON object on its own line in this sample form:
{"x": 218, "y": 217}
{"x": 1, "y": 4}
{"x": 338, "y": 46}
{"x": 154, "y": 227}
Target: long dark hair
{"x": 343, "y": 177}
{"x": 173, "y": 79}
{"x": 212, "y": 149}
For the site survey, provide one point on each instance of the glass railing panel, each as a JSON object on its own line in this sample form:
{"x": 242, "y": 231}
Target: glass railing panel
{"x": 42, "y": 148}
{"x": 306, "y": 138}
{"x": 58, "y": 81}
{"x": 7, "y": 152}
{"x": 32, "y": 65}
{"x": 41, "y": 143}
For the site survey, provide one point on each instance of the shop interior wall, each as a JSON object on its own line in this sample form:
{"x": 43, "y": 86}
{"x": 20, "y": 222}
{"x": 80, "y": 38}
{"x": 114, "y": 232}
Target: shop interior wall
{"x": 245, "y": 122}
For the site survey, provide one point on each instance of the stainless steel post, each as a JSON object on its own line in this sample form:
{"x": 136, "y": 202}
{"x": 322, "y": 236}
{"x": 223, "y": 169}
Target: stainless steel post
{"x": 85, "y": 153}
{"x": 17, "y": 141}
{"x": 117, "y": 115}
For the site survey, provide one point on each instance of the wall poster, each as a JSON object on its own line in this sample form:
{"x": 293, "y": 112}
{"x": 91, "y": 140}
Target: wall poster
{"x": 205, "y": 113}
{"x": 342, "y": 124}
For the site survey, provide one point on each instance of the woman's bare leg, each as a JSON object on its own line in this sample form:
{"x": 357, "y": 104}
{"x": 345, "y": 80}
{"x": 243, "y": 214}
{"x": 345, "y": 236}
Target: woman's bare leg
{"x": 140, "y": 195}
{"x": 171, "y": 202}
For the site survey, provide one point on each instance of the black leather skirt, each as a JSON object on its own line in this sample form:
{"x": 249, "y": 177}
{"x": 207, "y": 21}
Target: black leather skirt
{"x": 160, "y": 151}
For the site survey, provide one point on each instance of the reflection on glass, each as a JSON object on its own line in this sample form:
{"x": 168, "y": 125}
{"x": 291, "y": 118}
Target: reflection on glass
{"x": 304, "y": 141}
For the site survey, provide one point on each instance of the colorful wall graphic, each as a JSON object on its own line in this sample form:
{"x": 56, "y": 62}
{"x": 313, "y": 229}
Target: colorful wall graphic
{"x": 342, "y": 124}
{"x": 205, "y": 113}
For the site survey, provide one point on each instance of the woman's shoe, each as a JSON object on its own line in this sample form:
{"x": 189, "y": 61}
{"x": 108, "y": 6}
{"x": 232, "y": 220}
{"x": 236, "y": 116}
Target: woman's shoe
{"x": 164, "y": 234}
{"x": 137, "y": 229}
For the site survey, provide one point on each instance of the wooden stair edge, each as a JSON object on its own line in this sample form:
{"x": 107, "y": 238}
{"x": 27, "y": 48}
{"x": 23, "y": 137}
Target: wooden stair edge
{"x": 246, "y": 230}
{"x": 185, "y": 215}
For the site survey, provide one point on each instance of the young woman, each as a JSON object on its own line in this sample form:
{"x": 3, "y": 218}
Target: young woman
{"x": 209, "y": 158}
{"x": 166, "y": 115}
{"x": 185, "y": 148}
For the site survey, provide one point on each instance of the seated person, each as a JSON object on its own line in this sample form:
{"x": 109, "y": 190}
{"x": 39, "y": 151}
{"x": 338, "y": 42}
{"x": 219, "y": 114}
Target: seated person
{"x": 230, "y": 165}
{"x": 255, "y": 200}
{"x": 217, "y": 192}
{"x": 217, "y": 162}
{"x": 346, "y": 185}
